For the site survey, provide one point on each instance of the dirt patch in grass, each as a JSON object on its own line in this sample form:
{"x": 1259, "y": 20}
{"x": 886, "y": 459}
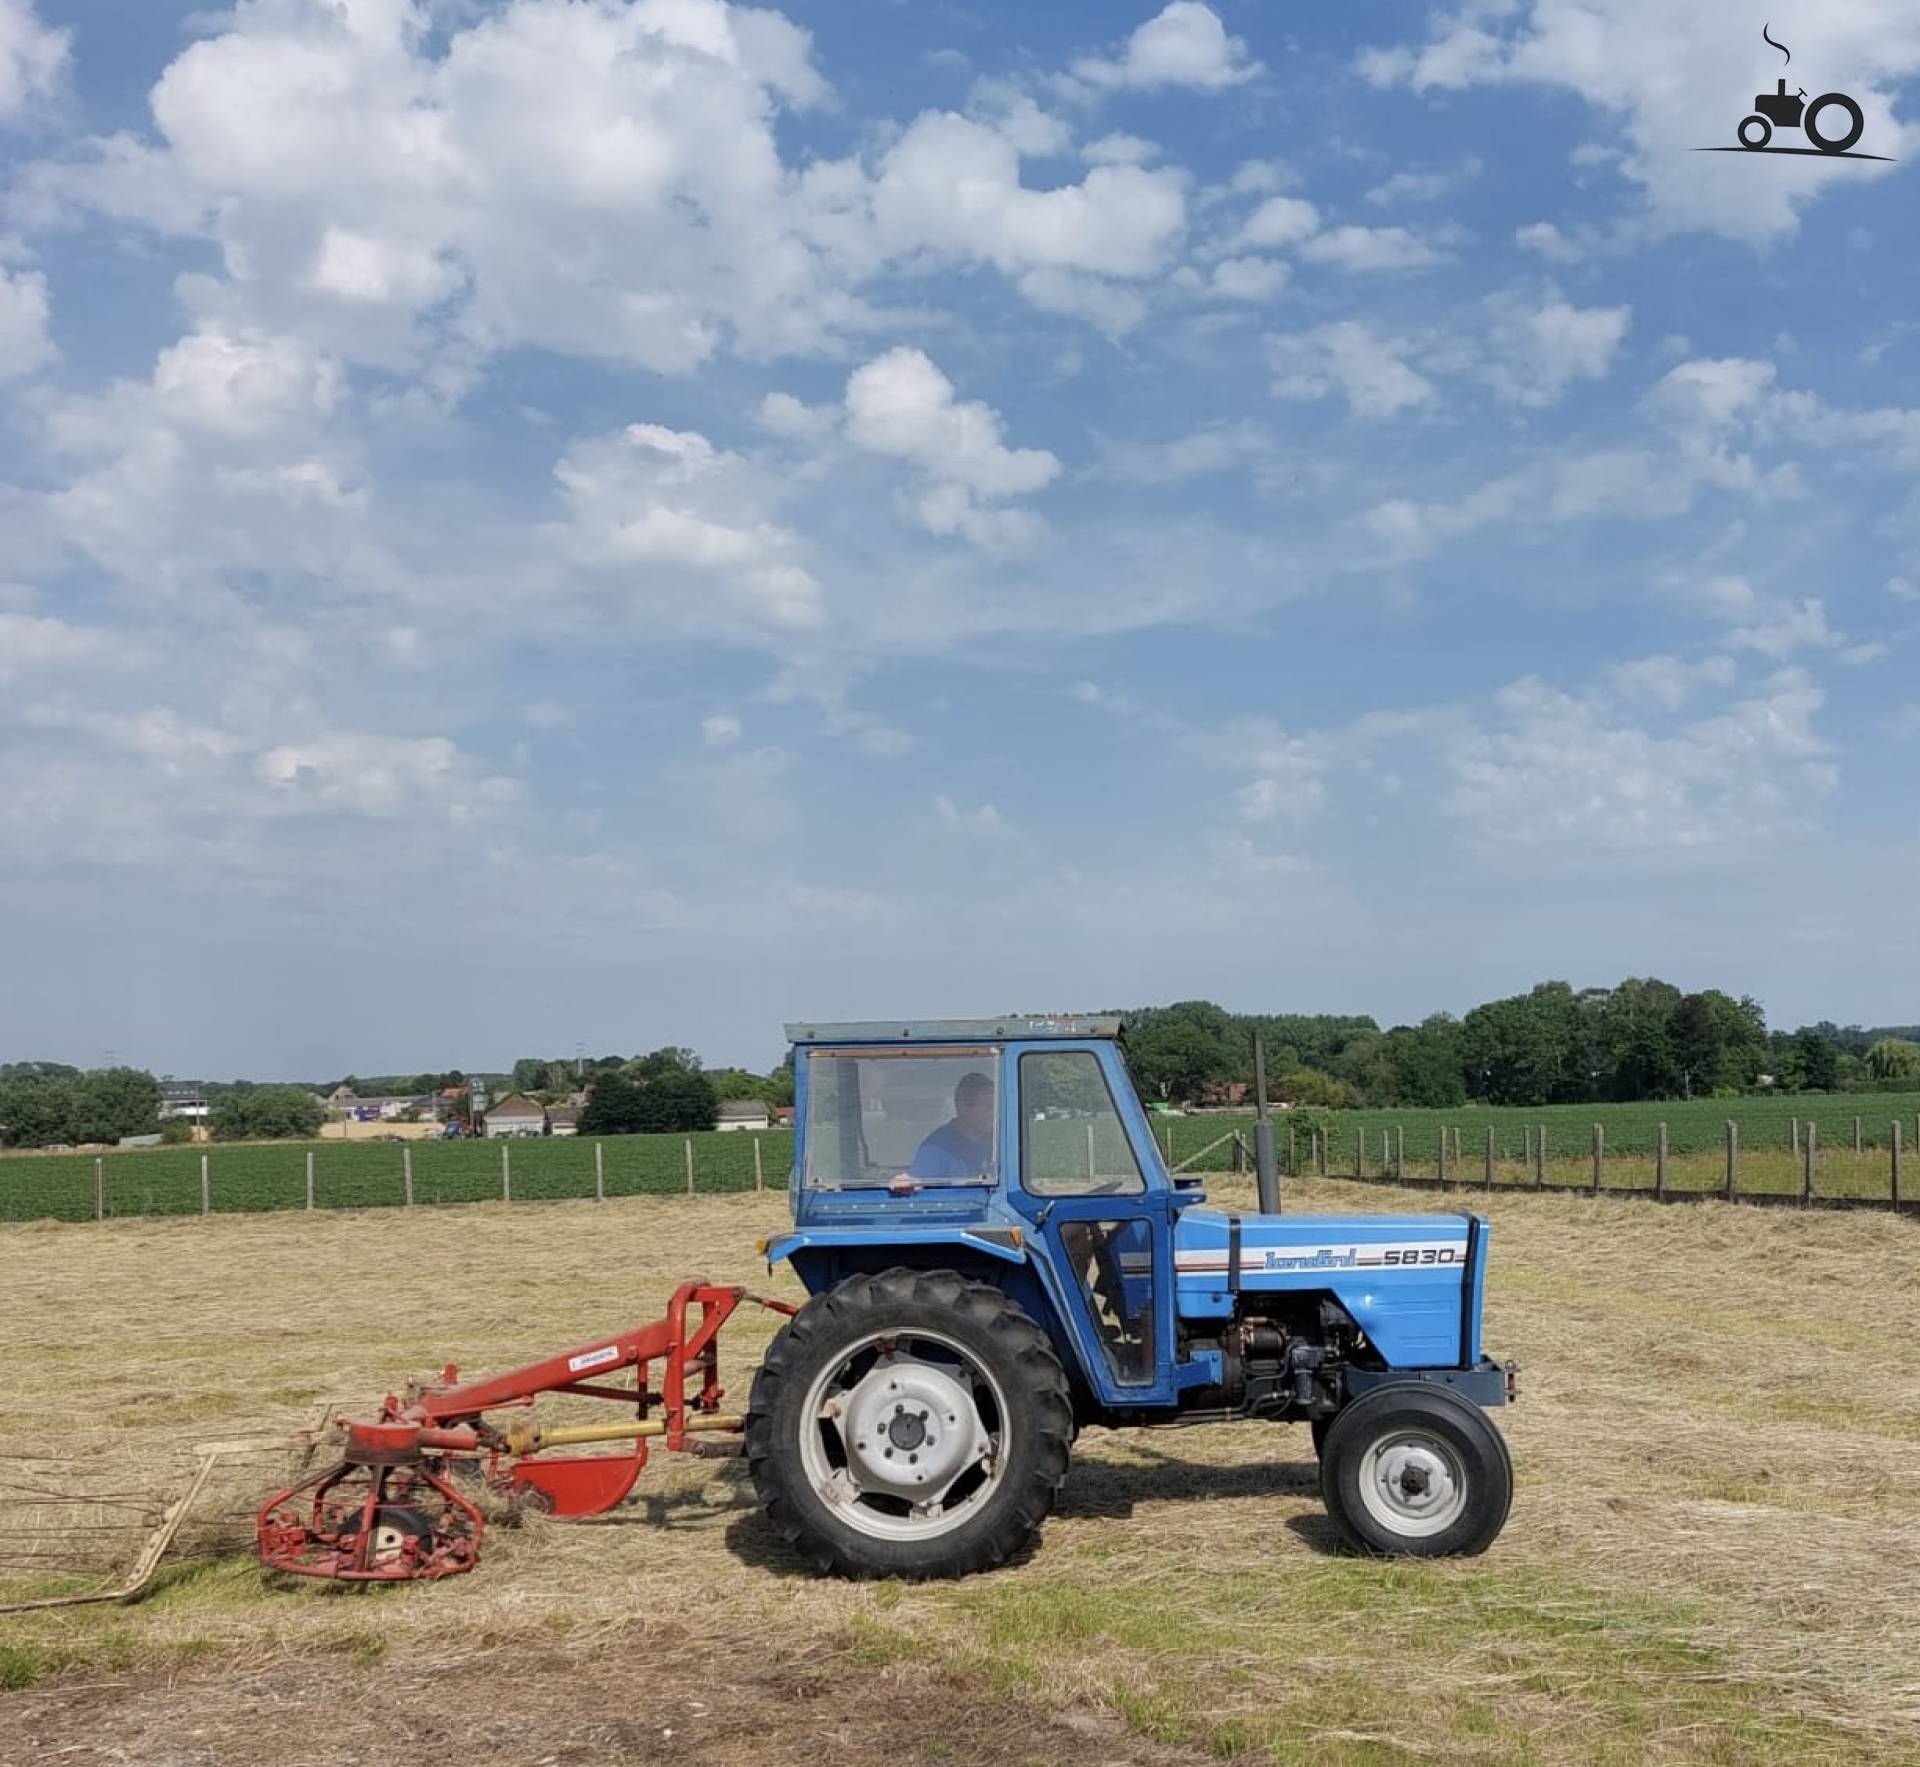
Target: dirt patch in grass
{"x": 649, "y": 1700}
{"x": 1715, "y": 1452}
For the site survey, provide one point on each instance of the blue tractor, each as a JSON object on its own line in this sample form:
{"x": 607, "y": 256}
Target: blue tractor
{"x": 997, "y": 1256}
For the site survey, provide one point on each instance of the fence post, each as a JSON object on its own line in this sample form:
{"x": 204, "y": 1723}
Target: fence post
{"x": 309, "y": 1178}
{"x": 1169, "y": 1136}
{"x": 759, "y": 1181}
{"x": 689, "y": 1147}
{"x": 406, "y": 1176}
{"x": 1456, "y": 1144}
{"x": 206, "y": 1188}
{"x": 1090, "y": 1171}
{"x": 1293, "y": 1158}
{"x": 599, "y": 1174}
{"x": 1599, "y": 1153}
{"x": 1806, "y": 1171}
{"x": 1489, "y": 1157}
{"x": 1540, "y": 1158}
{"x": 1399, "y": 1150}
{"x": 1796, "y": 1137}
{"x": 1660, "y": 1168}
{"x": 1360, "y": 1152}
{"x": 1896, "y": 1162}
{"x": 506, "y": 1173}
{"x": 1856, "y": 1138}
{"x": 1733, "y": 1159}
{"x": 100, "y": 1188}
{"x": 1529, "y": 1133}
{"x": 1443, "y": 1156}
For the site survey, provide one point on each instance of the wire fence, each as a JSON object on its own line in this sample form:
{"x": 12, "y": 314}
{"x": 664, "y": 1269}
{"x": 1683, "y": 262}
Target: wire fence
{"x": 1860, "y": 1173}
{"x": 1861, "y": 1165}
{"x": 261, "y": 1177}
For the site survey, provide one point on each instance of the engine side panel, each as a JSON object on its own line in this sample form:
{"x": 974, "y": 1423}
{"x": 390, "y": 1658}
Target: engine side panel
{"x": 1411, "y": 1282}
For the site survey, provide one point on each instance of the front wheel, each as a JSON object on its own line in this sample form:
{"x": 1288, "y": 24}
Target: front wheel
{"x": 911, "y": 1424}
{"x": 1754, "y": 132}
{"x": 1415, "y": 1471}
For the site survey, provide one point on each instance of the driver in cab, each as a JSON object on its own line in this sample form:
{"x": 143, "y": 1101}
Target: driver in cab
{"x": 963, "y": 1146}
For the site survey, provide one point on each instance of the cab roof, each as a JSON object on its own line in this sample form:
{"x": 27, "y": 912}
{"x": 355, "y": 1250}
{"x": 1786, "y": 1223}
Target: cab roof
{"x": 1013, "y": 1028}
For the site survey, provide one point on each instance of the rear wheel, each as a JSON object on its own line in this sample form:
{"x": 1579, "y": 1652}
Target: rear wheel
{"x": 1834, "y": 143}
{"x": 912, "y": 1424}
{"x": 1416, "y": 1471}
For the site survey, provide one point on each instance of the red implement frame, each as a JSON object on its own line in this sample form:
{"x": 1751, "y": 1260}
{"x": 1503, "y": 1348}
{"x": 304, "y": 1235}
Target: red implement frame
{"x": 388, "y": 1510}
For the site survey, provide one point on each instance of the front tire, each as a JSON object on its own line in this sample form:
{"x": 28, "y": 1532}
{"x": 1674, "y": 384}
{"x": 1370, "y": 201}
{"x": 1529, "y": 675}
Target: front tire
{"x": 912, "y": 1424}
{"x": 1754, "y": 133}
{"x": 1415, "y": 1471}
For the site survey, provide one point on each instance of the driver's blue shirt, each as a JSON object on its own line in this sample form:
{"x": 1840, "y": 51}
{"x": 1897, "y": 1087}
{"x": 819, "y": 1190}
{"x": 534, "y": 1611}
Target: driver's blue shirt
{"x": 949, "y": 1152}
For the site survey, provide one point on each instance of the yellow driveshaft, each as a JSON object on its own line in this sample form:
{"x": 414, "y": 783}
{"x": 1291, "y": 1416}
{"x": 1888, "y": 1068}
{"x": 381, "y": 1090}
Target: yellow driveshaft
{"x": 530, "y": 1438}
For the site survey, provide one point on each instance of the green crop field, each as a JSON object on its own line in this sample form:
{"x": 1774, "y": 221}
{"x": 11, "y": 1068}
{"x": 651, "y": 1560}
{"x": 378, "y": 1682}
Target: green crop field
{"x": 252, "y": 1178}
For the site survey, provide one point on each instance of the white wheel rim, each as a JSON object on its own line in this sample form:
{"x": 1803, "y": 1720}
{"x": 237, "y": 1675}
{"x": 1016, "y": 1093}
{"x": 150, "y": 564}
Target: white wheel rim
{"x": 904, "y": 1436}
{"x": 1413, "y": 1483}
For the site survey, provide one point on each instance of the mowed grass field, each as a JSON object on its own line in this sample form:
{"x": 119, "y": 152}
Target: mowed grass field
{"x": 1710, "y": 1556}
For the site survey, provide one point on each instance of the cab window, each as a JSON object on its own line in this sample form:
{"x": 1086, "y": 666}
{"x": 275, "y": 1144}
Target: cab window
{"x": 1073, "y": 1141}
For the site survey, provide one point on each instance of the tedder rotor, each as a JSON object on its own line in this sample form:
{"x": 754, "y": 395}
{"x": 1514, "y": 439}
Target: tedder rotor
{"x": 399, "y": 1502}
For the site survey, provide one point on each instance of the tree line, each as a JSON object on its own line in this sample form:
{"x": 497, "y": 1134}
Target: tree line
{"x": 1641, "y": 1039}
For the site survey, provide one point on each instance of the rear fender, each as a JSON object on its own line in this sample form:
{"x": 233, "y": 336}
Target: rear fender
{"x": 998, "y": 1256}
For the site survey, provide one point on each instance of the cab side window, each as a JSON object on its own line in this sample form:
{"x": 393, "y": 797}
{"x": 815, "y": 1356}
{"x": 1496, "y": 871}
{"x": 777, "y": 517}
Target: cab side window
{"x": 1073, "y": 1141}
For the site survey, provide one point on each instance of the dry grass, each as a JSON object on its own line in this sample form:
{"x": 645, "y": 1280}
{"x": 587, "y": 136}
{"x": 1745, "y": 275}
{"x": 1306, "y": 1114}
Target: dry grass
{"x": 1719, "y": 1487}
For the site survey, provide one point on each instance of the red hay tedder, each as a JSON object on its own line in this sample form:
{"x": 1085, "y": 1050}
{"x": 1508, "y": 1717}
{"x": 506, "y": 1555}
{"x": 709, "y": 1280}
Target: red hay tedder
{"x": 392, "y": 1508}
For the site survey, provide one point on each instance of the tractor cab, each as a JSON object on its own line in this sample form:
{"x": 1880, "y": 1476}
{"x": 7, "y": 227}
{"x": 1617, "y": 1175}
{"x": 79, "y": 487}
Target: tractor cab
{"x": 1016, "y": 1145}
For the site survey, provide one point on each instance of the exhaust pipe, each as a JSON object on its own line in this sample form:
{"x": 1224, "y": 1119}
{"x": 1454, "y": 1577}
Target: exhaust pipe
{"x": 1266, "y": 1175}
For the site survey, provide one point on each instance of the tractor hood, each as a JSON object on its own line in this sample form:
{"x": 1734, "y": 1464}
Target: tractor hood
{"x": 1412, "y": 1283}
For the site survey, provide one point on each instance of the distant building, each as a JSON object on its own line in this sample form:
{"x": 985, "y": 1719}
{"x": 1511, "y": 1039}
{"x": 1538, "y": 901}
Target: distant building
{"x": 345, "y": 1102}
{"x": 744, "y": 1113}
{"x": 563, "y": 1119}
{"x": 516, "y": 1115}
{"x": 183, "y": 1101}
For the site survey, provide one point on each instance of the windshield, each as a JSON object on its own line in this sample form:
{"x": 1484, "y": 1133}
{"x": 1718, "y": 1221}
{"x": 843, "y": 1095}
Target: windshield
{"x": 874, "y": 1115}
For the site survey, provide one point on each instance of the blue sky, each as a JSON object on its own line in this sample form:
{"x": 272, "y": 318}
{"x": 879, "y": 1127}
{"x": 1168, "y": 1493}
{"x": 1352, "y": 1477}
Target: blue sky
{"x": 537, "y": 524}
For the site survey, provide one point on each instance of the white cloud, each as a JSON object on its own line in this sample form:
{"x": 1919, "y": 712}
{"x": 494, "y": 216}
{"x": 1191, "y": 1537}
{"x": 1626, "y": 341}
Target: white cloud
{"x": 1350, "y": 358}
{"x": 1903, "y": 589}
{"x": 951, "y": 185}
{"x": 720, "y": 731}
{"x": 1580, "y": 772}
{"x": 1416, "y": 187}
{"x": 35, "y": 648}
{"x": 32, "y": 56}
{"x": 1249, "y": 279}
{"x": 24, "y": 343}
{"x": 1225, "y": 447}
{"x": 900, "y": 405}
{"x": 1279, "y": 221}
{"x": 885, "y": 741}
{"x": 1666, "y": 682}
{"x": 1676, "y": 78}
{"x": 380, "y": 776}
{"x": 982, "y": 822}
{"x": 415, "y": 200}
{"x": 667, "y": 501}
{"x": 1539, "y": 343}
{"x": 1366, "y": 249}
{"x": 1546, "y": 240}
{"x": 1185, "y": 44}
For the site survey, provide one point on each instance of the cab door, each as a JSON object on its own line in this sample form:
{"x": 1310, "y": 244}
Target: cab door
{"x": 1102, "y": 1216}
